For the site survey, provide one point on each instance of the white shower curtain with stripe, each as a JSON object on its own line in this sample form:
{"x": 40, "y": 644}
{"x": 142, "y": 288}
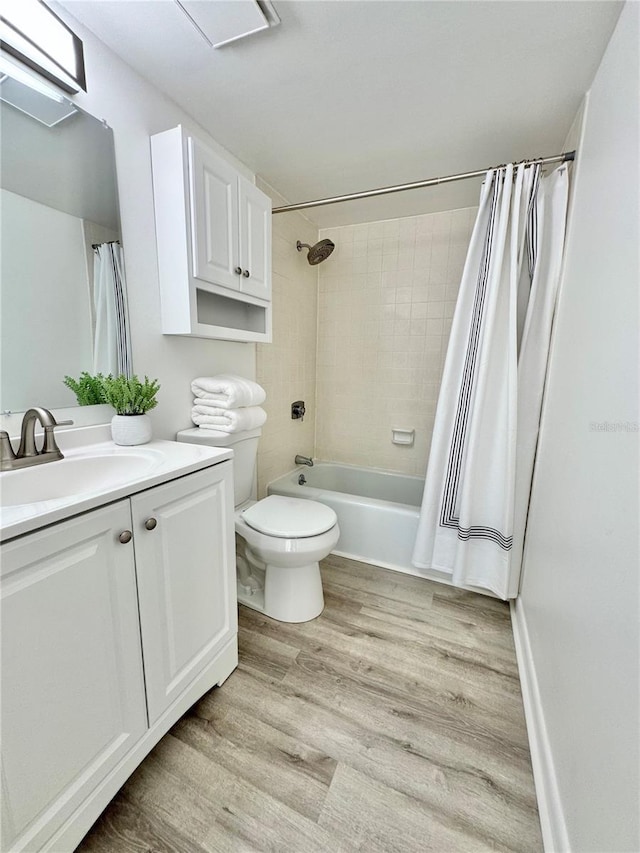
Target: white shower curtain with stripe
{"x": 111, "y": 342}
{"x": 476, "y": 493}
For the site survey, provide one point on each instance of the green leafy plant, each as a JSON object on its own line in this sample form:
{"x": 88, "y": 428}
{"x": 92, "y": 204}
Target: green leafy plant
{"x": 88, "y": 389}
{"x": 128, "y": 395}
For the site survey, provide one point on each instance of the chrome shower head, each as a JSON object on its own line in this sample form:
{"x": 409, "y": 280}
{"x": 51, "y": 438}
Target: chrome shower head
{"x": 317, "y": 253}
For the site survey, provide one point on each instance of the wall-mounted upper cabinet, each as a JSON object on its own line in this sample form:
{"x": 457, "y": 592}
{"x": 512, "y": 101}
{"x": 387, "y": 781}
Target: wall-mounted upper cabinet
{"x": 231, "y": 222}
{"x": 213, "y": 229}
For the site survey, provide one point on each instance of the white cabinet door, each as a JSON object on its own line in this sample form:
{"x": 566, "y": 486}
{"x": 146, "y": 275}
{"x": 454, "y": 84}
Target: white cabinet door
{"x": 214, "y": 217}
{"x": 73, "y": 699}
{"x": 186, "y": 579}
{"x": 255, "y": 240}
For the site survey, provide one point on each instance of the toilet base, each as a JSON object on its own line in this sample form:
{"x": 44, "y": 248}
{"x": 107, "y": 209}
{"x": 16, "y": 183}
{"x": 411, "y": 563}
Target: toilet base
{"x": 288, "y": 595}
{"x": 293, "y": 595}
{"x": 254, "y": 600}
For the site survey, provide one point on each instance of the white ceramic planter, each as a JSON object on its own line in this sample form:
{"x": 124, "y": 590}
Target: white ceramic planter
{"x": 131, "y": 429}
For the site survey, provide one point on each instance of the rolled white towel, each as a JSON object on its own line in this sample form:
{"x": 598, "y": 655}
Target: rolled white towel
{"x": 228, "y": 420}
{"x": 207, "y": 405}
{"x": 228, "y": 391}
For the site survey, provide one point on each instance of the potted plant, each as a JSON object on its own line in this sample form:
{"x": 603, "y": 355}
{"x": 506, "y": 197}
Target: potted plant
{"x": 131, "y": 399}
{"x": 88, "y": 389}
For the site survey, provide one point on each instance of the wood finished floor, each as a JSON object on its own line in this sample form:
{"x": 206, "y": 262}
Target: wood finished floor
{"x": 391, "y": 723}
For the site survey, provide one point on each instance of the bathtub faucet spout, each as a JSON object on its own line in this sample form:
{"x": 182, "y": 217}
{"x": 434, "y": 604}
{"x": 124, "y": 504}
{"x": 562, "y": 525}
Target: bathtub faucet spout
{"x": 303, "y": 460}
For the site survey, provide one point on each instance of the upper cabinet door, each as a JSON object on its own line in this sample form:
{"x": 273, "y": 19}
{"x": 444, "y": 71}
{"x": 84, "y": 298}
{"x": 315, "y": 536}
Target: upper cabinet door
{"x": 185, "y": 560}
{"x": 73, "y": 700}
{"x": 213, "y": 230}
{"x": 255, "y": 240}
{"x": 214, "y": 217}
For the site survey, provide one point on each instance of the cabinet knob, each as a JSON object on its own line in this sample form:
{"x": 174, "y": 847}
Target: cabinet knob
{"x": 238, "y": 270}
{"x": 125, "y": 537}
{"x": 151, "y": 524}
{"x": 246, "y": 273}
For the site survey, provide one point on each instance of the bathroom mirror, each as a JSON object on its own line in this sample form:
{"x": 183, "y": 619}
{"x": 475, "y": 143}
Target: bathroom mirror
{"x": 58, "y": 200}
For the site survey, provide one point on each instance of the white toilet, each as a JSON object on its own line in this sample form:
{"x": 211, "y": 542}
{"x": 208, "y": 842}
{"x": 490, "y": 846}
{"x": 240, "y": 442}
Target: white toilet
{"x": 282, "y": 539}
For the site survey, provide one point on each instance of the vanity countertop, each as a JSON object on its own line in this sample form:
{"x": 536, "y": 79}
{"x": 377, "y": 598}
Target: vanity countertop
{"x": 94, "y": 472}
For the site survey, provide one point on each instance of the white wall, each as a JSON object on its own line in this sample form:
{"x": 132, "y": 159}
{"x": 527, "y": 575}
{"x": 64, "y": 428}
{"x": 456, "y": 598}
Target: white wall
{"x": 579, "y": 600}
{"x": 135, "y": 110}
{"x": 286, "y": 368}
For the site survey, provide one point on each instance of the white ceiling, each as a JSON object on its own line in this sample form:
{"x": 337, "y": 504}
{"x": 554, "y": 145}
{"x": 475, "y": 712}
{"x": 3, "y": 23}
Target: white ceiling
{"x": 347, "y": 95}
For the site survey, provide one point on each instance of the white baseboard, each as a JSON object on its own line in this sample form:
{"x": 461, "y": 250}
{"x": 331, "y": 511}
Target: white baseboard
{"x": 552, "y": 823}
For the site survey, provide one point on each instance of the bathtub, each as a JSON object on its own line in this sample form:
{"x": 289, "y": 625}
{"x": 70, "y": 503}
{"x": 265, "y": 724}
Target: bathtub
{"x": 377, "y": 510}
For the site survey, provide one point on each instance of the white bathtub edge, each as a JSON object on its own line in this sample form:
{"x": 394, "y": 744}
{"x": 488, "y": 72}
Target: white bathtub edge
{"x": 427, "y": 574}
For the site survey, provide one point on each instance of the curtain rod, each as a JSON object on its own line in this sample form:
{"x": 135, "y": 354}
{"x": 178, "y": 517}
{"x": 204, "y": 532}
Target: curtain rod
{"x": 106, "y": 243}
{"x": 430, "y": 182}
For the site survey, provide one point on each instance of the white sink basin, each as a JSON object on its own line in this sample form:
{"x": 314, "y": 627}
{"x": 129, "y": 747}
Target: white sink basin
{"x": 94, "y": 471}
{"x": 74, "y": 476}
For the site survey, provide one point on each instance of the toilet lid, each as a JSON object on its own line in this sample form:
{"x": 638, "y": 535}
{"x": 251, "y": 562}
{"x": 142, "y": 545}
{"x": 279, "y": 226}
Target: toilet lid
{"x": 289, "y": 518}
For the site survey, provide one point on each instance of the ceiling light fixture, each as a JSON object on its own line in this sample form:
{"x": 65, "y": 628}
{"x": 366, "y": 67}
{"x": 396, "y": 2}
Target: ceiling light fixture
{"x": 31, "y": 96}
{"x": 16, "y": 72}
{"x": 225, "y": 21}
{"x": 35, "y": 35}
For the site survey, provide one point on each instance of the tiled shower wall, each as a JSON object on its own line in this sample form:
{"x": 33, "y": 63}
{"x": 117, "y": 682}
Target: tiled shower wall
{"x": 286, "y": 368}
{"x": 386, "y": 300}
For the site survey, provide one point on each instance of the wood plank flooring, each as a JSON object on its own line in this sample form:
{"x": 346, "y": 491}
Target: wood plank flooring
{"x": 391, "y": 723}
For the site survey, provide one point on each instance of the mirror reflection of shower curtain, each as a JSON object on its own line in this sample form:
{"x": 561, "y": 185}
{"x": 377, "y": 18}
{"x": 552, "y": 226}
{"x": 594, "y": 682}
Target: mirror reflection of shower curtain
{"x": 476, "y": 492}
{"x": 112, "y": 342}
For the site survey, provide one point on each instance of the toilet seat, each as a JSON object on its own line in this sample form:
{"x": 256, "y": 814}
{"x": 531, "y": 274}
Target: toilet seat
{"x": 289, "y": 518}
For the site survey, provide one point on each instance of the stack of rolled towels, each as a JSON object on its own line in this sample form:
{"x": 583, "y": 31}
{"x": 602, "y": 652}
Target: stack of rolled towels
{"x": 227, "y": 403}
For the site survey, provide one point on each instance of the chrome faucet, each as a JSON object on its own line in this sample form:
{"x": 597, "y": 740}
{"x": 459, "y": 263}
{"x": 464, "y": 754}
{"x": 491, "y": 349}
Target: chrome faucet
{"x": 303, "y": 460}
{"x": 28, "y": 453}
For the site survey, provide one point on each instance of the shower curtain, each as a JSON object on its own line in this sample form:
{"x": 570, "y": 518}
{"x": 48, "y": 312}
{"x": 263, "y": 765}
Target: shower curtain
{"x": 112, "y": 344}
{"x": 476, "y": 492}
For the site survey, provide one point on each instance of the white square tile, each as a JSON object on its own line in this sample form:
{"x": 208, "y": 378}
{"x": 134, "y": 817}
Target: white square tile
{"x": 419, "y": 310}
{"x": 382, "y": 322}
{"x": 389, "y": 262}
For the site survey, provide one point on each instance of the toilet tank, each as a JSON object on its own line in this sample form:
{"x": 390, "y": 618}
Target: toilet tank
{"x": 245, "y": 456}
{"x": 245, "y": 468}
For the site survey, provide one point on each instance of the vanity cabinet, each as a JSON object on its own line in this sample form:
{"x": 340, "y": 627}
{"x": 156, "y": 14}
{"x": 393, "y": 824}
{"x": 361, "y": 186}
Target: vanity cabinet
{"x": 73, "y": 699}
{"x": 213, "y": 230}
{"x": 183, "y": 532}
{"x": 114, "y": 623}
